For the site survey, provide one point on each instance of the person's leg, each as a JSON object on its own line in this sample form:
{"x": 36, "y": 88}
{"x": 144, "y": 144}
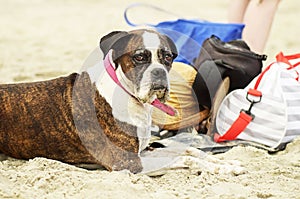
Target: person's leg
{"x": 258, "y": 19}
{"x": 236, "y": 10}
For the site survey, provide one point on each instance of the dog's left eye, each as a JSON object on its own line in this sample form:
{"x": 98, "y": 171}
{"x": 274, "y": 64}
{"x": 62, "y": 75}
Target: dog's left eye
{"x": 168, "y": 57}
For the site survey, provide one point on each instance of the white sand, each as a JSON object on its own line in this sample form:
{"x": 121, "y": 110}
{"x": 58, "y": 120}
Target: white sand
{"x": 41, "y": 39}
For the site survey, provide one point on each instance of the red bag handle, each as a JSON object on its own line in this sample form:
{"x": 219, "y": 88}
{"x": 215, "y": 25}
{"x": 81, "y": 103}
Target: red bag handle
{"x": 280, "y": 57}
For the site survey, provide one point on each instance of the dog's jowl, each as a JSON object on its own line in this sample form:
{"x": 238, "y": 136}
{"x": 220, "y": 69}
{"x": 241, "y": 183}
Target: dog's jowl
{"x": 82, "y": 120}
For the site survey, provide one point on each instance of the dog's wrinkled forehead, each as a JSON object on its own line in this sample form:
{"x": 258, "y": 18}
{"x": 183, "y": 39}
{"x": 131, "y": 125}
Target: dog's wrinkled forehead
{"x": 124, "y": 42}
{"x": 150, "y": 40}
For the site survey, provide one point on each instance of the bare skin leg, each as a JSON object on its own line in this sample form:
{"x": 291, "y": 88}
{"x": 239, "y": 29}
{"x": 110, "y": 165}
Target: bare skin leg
{"x": 237, "y": 9}
{"x": 258, "y": 17}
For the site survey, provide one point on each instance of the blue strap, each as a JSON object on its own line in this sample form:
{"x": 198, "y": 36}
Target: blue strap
{"x": 147, "y": 6}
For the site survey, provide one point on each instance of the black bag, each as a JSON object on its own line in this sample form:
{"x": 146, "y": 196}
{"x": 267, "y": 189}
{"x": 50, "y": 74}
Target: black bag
{"x": 217, "y": 60}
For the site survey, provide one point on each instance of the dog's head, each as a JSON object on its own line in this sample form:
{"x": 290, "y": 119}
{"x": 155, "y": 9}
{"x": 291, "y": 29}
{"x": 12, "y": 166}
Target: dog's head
{"x": 142, "y": 59}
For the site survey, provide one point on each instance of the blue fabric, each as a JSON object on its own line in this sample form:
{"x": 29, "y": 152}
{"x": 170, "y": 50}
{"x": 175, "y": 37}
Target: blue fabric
{"x": 188, "y": 35}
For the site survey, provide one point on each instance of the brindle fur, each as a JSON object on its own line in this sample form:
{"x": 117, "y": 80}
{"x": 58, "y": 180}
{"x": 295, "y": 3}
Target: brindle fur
{"x": 65, "y": 119}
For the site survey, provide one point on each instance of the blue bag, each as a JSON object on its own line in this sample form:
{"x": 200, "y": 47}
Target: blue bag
{"x": 189, "y": 34}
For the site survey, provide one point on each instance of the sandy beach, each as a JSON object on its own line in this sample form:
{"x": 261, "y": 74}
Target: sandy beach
{"x": 42, "y": 39}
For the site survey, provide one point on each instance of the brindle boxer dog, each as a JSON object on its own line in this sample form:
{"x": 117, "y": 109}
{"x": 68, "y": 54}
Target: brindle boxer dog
{"x": 104, "y": 120}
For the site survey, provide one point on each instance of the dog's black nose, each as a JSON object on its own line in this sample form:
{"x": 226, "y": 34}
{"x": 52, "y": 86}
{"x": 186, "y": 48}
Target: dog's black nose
{"x": 158, "y": 73}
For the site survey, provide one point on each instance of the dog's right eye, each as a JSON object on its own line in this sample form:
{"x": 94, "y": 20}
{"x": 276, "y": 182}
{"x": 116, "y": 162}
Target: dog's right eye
{"x": 141, "y": 58}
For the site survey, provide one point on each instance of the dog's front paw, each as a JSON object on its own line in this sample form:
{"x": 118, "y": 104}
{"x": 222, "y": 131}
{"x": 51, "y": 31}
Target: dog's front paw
{"x": 196, "y": 158}
{"x": 161, "y": 160}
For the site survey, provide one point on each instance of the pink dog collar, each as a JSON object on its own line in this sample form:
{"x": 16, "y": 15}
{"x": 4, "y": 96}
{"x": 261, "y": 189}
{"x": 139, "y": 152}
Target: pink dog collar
{"x": 112, "y": 73}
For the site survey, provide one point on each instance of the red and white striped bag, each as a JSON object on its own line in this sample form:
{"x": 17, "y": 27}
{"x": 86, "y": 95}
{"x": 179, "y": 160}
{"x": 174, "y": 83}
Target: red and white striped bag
{"x": 267, "y": 111}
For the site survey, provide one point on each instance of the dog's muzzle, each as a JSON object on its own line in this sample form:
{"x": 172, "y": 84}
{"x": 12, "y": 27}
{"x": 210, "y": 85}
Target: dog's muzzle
{"x": 155, "y": 85}
{"x": 158, "y": 74}
{"x": 160, "y": 86}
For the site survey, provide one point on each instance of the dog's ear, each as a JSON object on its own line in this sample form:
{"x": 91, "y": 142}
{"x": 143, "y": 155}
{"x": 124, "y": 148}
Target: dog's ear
{"x": 108, "y": 41}
{"x": 172, "y": 46}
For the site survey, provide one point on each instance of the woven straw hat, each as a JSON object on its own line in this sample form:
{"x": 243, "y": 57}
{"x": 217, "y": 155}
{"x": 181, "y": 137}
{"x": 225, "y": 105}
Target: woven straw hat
{"x": 183, "y": 99}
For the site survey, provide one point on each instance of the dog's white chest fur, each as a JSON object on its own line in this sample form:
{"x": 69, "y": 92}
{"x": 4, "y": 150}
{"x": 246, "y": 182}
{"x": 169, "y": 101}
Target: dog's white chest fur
{"x": 125, "y": 108}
